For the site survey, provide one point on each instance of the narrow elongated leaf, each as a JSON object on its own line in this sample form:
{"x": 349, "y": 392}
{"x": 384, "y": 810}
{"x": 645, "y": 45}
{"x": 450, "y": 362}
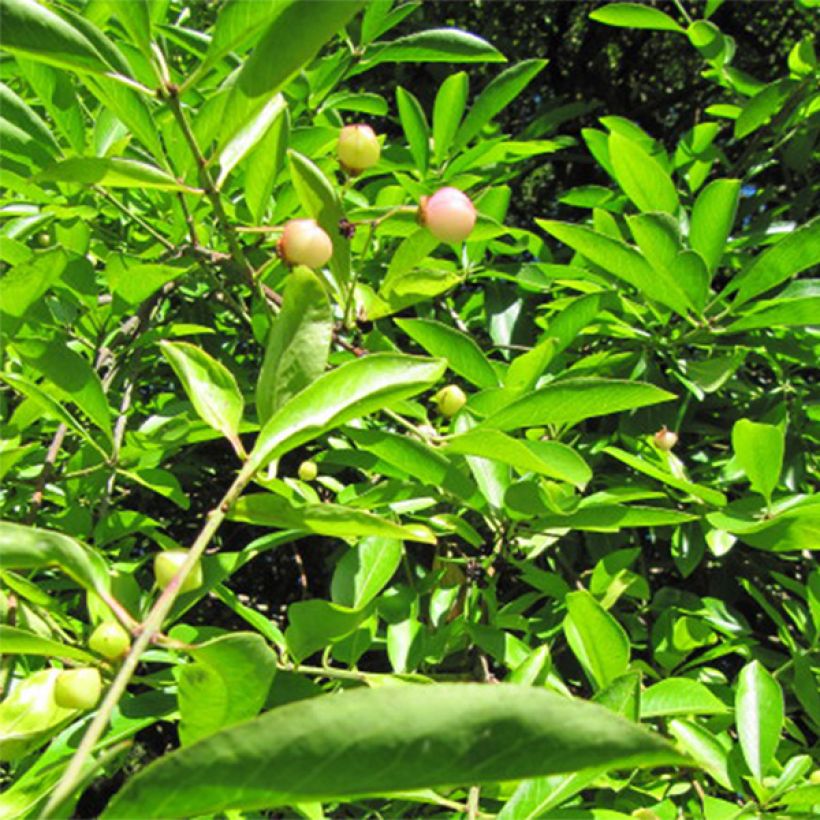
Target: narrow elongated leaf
{"x": 31, "y": 29}
{"x": 442, "y": 734}
{"x": 16, "y": 111}
{"x": 496, "y": 96}
{"x": 365, "y": 570}
{"x": 596, "y": 638}
{"x": 441, "y": 45}
{"x": 415, "y": 127}
{"x": 573, "y": 400}
{"x": 264, "y": 164}
{"x": 448, "y": 110}
{"x": 642, "y": 178}
{"x": 24, "y": 547}
{"x": 759, "y": 450}
{"x": 759, "y": 715}
{"x": 796, "y": 252}
{"x": 463, "y": 355}
{"x": 114, "y": 172}
{"x": 634, "y": 15}
{"x": 351, "y": 391}
{"x": 712, "y": 220}
{"x": 298, "y": 345}
{"x": 622, "y": 261}
{"x": 271, "y": 510}
{"x": 680, "y": 696}
{"x": 209, "y": 385}
{"x": 227, "y": 683}
{"x": 15, "y": 641}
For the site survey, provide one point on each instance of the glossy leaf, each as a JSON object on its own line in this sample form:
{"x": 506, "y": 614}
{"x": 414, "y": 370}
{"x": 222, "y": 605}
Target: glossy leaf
{"x": 351, "y": 391}
{"x": 448, "y": 111}
{"x": 364, "y": 730}
{"x": 209, "y": 385}
{"x": 463, "y": 355}
{"x": 634, "y": 15}
{"x": 679, "y": 696}
{"x": 298, "y": 344}
{"x": 22, "y": 642}
{"x": 759, "y": 715}
{"x": 712, "y": 219}
{"x": 415, "y": 127}
{"x": 759, "y": 450}
{"x": 24, "y": 284}
{"x": 114, "y": 172}
{"x": 642, "y": 178}
{"x": 365, "y": 570}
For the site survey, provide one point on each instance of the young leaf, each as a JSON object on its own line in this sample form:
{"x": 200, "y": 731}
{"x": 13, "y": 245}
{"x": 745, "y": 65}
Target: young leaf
{"x": 759, "y": 715}
{"x": 596, "y": 639}
{"x": 759, "y": 450}
{"x": 634, "y": 15}
{"x": 210, "y": 387}
{"x": 22, "y": 642}
{"x": 366, "y": 730}
{"x": 114, "y": 172}
{"x": 365, "y": 570}
{"x": 463, "y": 355}
{"x": 298, "y": 345}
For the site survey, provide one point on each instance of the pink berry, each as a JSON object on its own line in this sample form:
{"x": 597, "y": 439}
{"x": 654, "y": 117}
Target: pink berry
{"x": 665, "y": 439}
{"x": 303, "y": 242}
{"x": 448, "y": 214}
{"x": 359, "y": 148}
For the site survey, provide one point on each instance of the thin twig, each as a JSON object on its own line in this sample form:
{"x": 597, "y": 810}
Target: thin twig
{"x": 45, "y": 472}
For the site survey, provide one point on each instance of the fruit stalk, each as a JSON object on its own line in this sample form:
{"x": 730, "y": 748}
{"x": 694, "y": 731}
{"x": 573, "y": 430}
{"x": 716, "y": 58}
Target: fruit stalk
{"x": 150, "y": 628}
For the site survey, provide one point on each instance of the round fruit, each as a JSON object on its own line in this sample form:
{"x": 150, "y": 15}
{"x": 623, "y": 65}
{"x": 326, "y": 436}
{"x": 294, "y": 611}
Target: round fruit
{"x": 448, "y": 214}
{"x": 308, "y": 470}
{"x": 665, "y": 439}
{"x": 110, "y": 640}
{"x": 43, "y": 240}
{"x": 450, "y": 400}
{"x": 166, "y": 566}
{"x": 359, "y": 148}
{"x": 303, "y": 242}
{"x": 78, "y": 688}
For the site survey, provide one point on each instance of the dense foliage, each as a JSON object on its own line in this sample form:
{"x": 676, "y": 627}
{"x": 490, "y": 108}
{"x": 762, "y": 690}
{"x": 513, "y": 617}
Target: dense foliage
{"x": 331, "y": 491}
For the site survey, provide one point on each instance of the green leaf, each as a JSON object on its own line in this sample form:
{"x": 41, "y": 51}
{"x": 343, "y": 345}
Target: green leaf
{"x": 298, "y": 345}
{"x": 365, "y": 570}
{"x": 491, "y": 476}
{"x": 705, "y": 748}
{"x": 16, "y": 111}
{"x": 759, "y": 450}
{"x": 706, "y": 494}
{"x": 29, "y": 717}
{"x": 227, "y": 683}
{"x": 209, "y": 385}
{"x": 634, "y": 15}
{"x": 415, "y": 127}
{"x": 24, "y": 284}
{"x": 597, "y": 640}
{"x": 616, "y": 517}
{"x": 622, "y": 695}
{"x": 499, "y": 93}
{"x": 351, "y": 391}
{"x": 463, "y": 355}
{"x": 31, "y": 548}
{"x": 441, "y": 45}
{"x": 72, "y": 376}
{"x": 114, "y": 172}
{"x": 679, "y": 696}
{"x": 135, "y": 282}
{"x": 315, "y": 624}
{"x": 549, "y": 458}
{"x": 22, "y": 642}
{"x": 31, "y": 29}
{"x": 573, "y": 400}
{"x": 642, "y": 178}
{"x": 622, "y": 261}
{"x": 712, "y": 218}
{"x": 448, "y": 110}
{"x": 280, "y": 758}
{"x": 781, "y": 312}
{"x": 794, "y": 253}
{"x": 763, "y": 106}
{"x": 264, "y": 164}
{"x": 408, "y": 256}
{"x": 321, "y": 200}
{"x": 271, "y": 510}
{"x": 759, "y": 716}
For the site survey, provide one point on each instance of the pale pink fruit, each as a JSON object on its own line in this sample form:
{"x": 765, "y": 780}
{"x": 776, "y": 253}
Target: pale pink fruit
{"x": 303, "y": 242}
{"x": 448, "y": 214}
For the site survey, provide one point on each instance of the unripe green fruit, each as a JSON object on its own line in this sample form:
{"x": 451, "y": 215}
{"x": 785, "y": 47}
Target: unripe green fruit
{"x": 450, "y": 400}
{"x": 110, "y": 640}
{"x": 308, "y": 470}
{"x": 78, "y": 688}
{"x": 166, "y": 566}
{"x": 814, "y": 777}
{"x": 303, "y": 242}
{"x": 665, "y": 439}
{"x": 359, "y": 148}
{"x": 43, "y": 240}
{"x": 448, "y": 214}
